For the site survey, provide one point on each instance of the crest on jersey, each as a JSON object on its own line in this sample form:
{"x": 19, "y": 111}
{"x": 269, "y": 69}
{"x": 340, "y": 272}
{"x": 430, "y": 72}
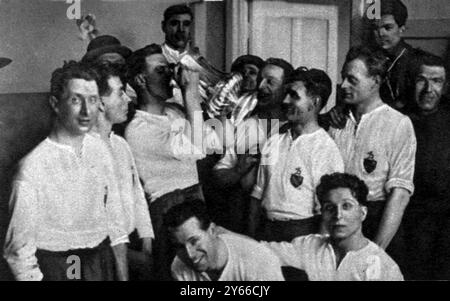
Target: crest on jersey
{"x": 297, "y": 178}
{"x": 370, "y": 164}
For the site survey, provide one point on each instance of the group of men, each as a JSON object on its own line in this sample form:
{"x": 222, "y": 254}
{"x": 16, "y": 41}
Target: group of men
{"x": 357, "y": 193}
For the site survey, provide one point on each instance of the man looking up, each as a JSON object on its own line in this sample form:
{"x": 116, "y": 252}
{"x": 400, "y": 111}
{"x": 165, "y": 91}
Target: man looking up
{"x": 161, "y": 136}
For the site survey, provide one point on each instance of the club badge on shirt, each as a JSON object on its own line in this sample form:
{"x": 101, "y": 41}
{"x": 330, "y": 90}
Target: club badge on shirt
{"x": 297, "y": 178}
{"x": 369, "y": 163}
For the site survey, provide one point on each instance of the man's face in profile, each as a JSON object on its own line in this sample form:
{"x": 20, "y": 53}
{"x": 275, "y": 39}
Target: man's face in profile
{"x": 178, "y": 31}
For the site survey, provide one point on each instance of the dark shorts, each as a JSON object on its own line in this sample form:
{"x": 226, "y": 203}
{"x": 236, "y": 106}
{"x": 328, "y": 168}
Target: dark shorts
{"x": 287, "y": 230}
{"x": 96, "y": 264}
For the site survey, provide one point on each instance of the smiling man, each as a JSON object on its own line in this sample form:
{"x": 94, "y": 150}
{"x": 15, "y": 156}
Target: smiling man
{"x": 427, "y": 216}
{"x": 65, "y": 203}
{"x": 378, "y": 145}
{"x": 293, "y": 162}
{"x": 345, "y": 254}
{"x": 205, "y": 255}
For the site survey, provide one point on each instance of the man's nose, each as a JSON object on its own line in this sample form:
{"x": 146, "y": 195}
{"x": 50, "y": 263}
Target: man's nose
{"x": 287, "y": 100}
{"x": 428, "y": 86}
{"x": 126, "y": 98}
{"x": 190, "y": 251}
{"x": 344, "y": 84}
{"x": 381, "y": 32}
{"x": 84, "y": 108}
{"x": 262, "y": 84}
{"x": 338, "y": 213}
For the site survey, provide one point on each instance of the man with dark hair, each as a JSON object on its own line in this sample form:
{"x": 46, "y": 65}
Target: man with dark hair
{"x": 65, "y": 203}
{"x": 113, "y": 110}
{"x": 388, "y": 32}
{"x": 164, "y": 139}
{"x": 293, "y": 162}
{"x": 378, "y": 145}
{"x": 176, "y": 26}
{"x": 428, "y": 214}
{"x": 345, "y": 254}
{"x": 205, "y": 255}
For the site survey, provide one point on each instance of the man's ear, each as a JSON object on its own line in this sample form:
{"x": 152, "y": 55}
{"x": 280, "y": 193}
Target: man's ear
{"x": 53, "y": 101}
{"x": 402, "y": 29}
{"x": 378, "y": 81}
{"x": 212, "y": 229}
{"x": 364, "y": 212}
{"x": 101, "y": 105}
{"x": 163, "y": 25}
{"x": 140, "y": 81}
{"x": 317, "y": 102}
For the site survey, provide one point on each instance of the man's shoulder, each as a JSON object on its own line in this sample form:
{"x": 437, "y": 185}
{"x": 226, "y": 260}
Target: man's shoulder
{"x": 325, "y": 141}
{"x": 175, "y": 109}
{"x": 311, "y": 241}
{"x": 391, "y": 118}
{"x": 37, "y": 155}
{"x": 245, "y": 246}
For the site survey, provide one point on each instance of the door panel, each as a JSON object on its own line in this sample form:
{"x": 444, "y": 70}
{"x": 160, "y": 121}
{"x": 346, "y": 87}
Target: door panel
{"x": 303, "y": 34}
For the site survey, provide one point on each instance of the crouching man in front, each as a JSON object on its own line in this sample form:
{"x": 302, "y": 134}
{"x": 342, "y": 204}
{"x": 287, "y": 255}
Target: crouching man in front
{"x": 205, "y": 255}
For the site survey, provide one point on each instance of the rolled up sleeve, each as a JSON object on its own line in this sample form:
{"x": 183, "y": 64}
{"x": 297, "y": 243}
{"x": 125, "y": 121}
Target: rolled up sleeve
{"x": 402, "y": 155}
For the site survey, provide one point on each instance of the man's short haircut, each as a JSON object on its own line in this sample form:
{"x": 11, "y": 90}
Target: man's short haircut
{"x": 287, "y": 67}
{"x": 105, "y": 71}
{"x": 180, "y": 213}
{"x": 342, "y": 180}
{"x": 70, "y": 70}
{"x": 136, "y": 62}
{"x": 376, "y": 61}
{"x": 179, "y": 9}
{"x": 317, "y": 83}
{"x": 426, "y": 59}
{"x": 243, "y": 60}
{"x": 395, "y": 8}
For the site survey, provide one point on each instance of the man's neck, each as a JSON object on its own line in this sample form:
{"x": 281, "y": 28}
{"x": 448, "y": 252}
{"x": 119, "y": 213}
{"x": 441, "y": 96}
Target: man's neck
{"x": 103, "y": 127}
{"x": 310, "y": 127}
{"x": 60, "y": 135}
{"x": 151, "y": 104}
{"x": 396, "y": 50}
{"x": 273, "y": 112}
{"x": 220, "y": 260}
{"x": 180, "y": 50}
{"x": 366, "y": 106}
{"x": 355, "y": 242}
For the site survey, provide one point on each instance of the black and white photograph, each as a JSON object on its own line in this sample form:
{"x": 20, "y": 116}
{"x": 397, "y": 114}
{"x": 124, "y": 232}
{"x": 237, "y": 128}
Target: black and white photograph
{"x": 251, "y": 141}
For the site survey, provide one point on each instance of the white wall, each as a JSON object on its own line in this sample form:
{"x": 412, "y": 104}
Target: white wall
{"x": 38, "y": 36}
